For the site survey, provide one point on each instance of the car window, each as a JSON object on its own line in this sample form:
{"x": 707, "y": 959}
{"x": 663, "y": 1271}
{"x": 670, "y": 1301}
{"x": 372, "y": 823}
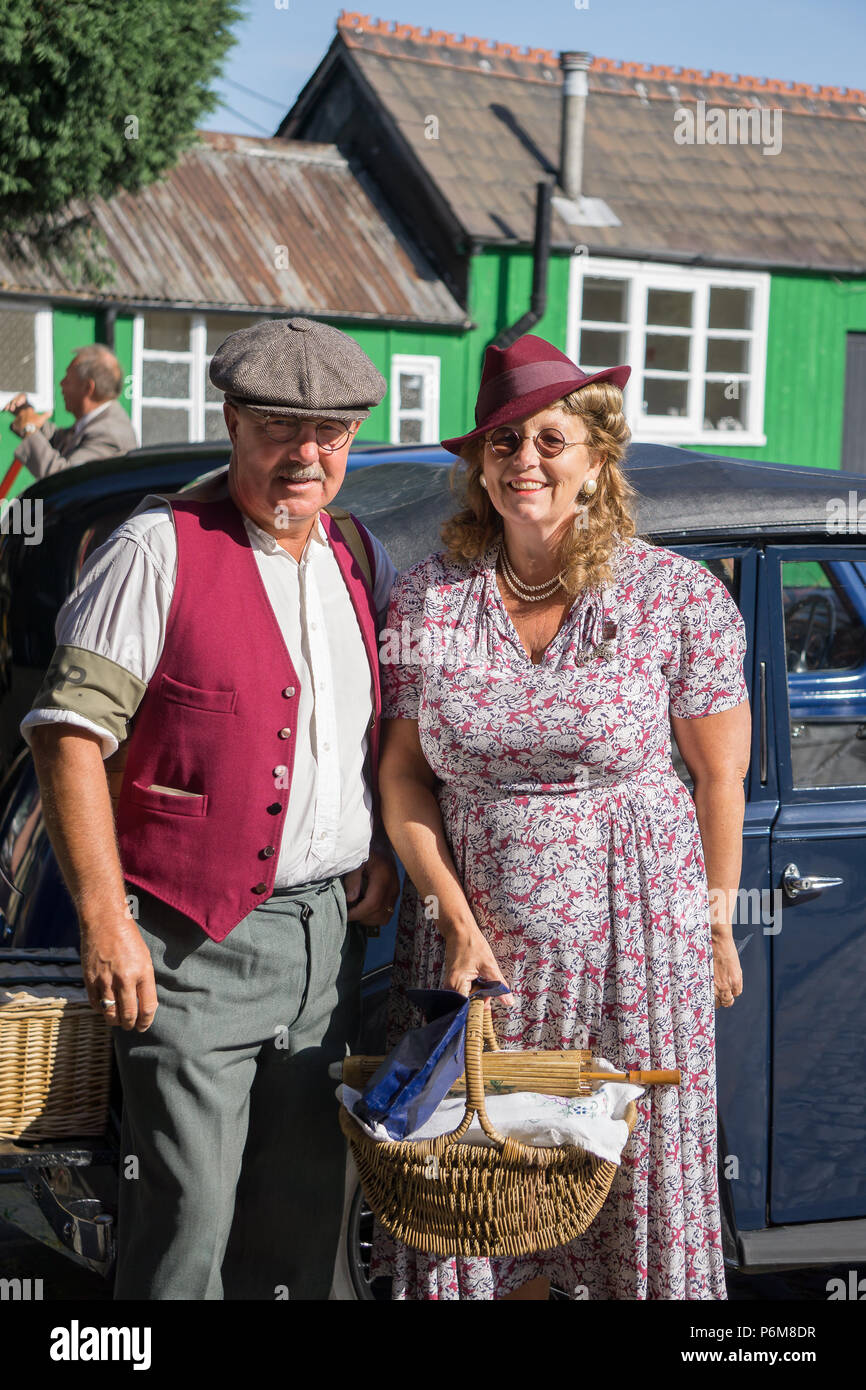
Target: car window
{"x": 824, "y": 605}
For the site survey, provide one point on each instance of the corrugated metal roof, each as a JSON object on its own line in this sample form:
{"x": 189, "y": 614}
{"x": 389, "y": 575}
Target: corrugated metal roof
{"x": 210, "y": 235}
{"x": 499, "y": 119}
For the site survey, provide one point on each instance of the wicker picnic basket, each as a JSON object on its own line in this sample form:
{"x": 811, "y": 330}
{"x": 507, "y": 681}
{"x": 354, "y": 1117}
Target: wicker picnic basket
{"x": 448, "y": 1198}
{"x": 55, "y": 1069}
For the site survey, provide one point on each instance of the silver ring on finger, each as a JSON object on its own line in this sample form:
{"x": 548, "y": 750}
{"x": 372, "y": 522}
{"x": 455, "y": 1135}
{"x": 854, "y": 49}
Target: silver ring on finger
{"x": 108, "y": 1003}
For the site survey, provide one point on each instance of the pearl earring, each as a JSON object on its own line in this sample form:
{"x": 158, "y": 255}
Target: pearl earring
{"x": 589, "y": 487}
{"x": 483, "y": 481}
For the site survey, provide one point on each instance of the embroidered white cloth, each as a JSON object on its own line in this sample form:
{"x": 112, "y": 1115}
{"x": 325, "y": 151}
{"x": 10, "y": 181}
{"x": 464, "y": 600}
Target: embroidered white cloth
{"x": 594, "y": 1123}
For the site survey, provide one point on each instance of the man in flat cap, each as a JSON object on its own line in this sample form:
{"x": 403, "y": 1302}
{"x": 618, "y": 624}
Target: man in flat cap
{"x": 220, "y": 651}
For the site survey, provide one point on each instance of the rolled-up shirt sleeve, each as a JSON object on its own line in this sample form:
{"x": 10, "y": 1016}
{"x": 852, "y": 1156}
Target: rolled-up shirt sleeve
{"x": 110, "y": 634}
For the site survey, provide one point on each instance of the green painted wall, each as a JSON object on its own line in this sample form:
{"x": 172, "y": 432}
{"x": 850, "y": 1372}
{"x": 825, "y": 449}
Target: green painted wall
{"x": 805, "y": 387}
{"x": 805, "y": 390}
{"x": 500, "y": 289}
{"x": 809, "y": 318}
{"x": 71, "y": 329}
{"x": 501, "y": 284}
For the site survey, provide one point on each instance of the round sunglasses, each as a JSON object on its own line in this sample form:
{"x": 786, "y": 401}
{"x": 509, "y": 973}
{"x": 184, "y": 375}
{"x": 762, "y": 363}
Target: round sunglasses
{"x": 548, "y": 442}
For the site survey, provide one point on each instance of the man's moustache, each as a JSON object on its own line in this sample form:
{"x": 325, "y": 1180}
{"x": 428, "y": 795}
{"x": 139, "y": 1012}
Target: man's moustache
{"x": 303, "y": 475}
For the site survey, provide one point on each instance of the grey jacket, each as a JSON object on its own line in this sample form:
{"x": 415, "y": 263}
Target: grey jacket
{"x": 49, "y": 449}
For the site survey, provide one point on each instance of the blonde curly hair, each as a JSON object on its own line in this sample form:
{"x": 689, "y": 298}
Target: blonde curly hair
{"x": 585, "y": 553}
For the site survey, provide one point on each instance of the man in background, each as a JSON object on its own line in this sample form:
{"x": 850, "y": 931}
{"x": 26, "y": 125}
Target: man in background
{"x": 93, "y": 381}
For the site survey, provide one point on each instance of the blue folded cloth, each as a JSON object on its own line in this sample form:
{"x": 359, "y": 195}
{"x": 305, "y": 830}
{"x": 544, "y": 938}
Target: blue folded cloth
{"x": 420, "y": 1071}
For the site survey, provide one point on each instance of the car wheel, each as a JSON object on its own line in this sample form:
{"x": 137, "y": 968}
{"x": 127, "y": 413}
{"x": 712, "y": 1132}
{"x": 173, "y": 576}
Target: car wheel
{"x": 359, "y": 1244}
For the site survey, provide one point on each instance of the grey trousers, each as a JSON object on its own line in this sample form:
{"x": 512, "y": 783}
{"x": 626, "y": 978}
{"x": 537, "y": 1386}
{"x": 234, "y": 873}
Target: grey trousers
{"x": 232, "y": 1162}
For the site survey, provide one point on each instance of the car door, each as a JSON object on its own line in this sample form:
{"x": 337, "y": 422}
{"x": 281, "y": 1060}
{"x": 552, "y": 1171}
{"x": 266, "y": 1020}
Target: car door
{"x": 816, "y": 601}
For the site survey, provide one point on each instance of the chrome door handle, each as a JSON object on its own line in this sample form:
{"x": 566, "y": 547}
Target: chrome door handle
{"x": 794, "y": 885}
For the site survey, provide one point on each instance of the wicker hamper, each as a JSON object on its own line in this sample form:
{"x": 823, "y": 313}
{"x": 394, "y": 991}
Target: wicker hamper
{"x": 448, "y": 1198}
{"x": 55, "y": 1063}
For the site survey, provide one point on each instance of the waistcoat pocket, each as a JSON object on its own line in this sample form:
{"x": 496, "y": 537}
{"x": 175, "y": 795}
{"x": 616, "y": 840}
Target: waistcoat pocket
{"x": 172, "y": 802}
{"x": 212, "y": 701}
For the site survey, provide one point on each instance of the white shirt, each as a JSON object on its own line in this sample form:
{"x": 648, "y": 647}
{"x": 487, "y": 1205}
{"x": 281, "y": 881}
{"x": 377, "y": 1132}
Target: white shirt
{"x": 119, "y": 610}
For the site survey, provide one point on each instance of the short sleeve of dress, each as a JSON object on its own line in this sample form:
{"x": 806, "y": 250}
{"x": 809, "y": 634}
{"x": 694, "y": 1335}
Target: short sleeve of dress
{"x": 711, "y": 650}
{"x": 399, "y": 641}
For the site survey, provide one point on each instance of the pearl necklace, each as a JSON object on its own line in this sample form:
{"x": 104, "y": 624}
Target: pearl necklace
{"x": 530, "y": 593}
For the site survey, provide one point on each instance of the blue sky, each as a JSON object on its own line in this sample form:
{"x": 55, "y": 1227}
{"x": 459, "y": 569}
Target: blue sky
{"x": 797, "y": 40}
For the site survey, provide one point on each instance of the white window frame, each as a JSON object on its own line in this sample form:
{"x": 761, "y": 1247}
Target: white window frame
{"x": 198, "y": 358}
{"x": 429, "y": 369}
{"x": 43, "y": 397}
{"x": 641, "y": 276}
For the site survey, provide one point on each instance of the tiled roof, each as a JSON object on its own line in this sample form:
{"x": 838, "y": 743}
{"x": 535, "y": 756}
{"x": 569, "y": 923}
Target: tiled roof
{"x": 209, "y": 235}
{"x": 498, "y": 114}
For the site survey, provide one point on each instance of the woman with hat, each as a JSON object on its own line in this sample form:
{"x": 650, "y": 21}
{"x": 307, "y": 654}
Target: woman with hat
{"x": 527, "y": 786}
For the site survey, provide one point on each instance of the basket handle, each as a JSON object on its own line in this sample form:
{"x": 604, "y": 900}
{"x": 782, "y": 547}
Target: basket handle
{"x": 479, "y": 1030}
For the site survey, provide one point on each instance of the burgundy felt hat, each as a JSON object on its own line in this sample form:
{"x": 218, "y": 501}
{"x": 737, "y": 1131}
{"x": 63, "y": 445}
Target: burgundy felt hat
{"x": 521, "y": 379}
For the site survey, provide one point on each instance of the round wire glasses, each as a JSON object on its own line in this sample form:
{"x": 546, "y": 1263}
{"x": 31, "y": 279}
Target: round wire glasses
{"x": 548, "y": 442}
{"x": 330, "y": 434}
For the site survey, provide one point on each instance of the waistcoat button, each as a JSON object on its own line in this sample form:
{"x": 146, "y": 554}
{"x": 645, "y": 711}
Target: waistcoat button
{"x": 274, "y": 809}
{"x": 266, "y": 852}
{"x": 260, "y": 888}
{"x": 280, "y": 771}
{"x": 285, "y": 733}
{"x": 289, "y": 691}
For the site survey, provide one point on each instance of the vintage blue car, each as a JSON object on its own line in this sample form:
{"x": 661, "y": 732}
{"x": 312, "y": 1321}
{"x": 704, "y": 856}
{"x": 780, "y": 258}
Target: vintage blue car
{"x": 786, "y": 542}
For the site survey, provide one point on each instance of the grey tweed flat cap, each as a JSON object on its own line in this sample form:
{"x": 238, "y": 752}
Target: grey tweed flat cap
{"x": 297, "y": 367}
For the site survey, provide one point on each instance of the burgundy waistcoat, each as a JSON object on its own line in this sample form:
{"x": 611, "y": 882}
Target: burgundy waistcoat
{"x": 219, "y": 719}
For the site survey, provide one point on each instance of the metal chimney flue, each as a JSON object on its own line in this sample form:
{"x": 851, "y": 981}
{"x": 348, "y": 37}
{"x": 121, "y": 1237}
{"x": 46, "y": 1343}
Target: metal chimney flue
{"x": 575, "y": 85}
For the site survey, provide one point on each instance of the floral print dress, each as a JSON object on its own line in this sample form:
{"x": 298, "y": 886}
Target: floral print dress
{"x": 580, "y": 855}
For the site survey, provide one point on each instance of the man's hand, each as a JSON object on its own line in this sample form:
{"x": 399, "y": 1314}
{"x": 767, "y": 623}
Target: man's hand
{"x": 116, "y": 965}
{"x": 27, "y": 416}
{"x": 16, "y": 402}
{"x": 372, "y": 890}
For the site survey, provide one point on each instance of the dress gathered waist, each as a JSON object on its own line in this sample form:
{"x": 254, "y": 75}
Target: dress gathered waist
{"x": 593, "y": 780}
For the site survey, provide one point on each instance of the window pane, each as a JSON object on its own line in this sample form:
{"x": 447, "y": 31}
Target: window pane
{"x": 215, "y": 425}
{"x": 167, "y": 332}
{"x": 730, "y": 308}
{"x": 411, "y": 391}
{"x": 727, "y": 354}
{"x": 601, "y": 349}
{"x": 219, "y": 326}
{"x": 823, "y": 606}
{"x": 605, "y": 300}
{"x": 665, "y": 397}
{"x": 164, "y": 426}
{"x": 17, "y": 351}
{"x": 210, "y": 391}
{"x": 672, "y": 308}
{"x": 726, "y": 405}
{"x": 165, "y": 379}
{"x": 410, "y": 432}
{"x": 667, "y": 354}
